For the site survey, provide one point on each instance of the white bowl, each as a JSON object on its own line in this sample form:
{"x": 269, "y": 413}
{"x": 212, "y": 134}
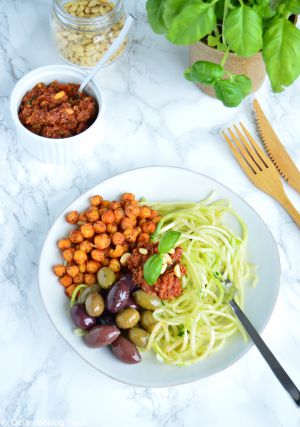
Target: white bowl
{"x": 164, "y": 183}
{"x": 60, "y": 150}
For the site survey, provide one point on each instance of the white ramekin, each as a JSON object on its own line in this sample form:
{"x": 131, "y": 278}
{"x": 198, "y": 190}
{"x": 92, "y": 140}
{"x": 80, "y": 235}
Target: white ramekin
{"x": 60, "y": 150}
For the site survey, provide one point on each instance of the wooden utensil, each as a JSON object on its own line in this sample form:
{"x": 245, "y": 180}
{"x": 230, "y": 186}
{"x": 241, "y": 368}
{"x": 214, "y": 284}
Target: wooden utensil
{"x": 258, "y": 167}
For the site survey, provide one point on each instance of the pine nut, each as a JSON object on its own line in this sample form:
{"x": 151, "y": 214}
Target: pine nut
{"x": 172, "y": 251}
{"x": 168, "y": 259}
{"x": 177, "y": 271}
{"x": 163, "y": 269}
{"x": 59, "y": 95}
{"x": 143, "y": 251}
{"x": 124, "y": 258}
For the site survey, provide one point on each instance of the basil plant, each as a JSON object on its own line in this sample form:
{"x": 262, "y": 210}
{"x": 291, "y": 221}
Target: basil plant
{"x": 244, "y": 27}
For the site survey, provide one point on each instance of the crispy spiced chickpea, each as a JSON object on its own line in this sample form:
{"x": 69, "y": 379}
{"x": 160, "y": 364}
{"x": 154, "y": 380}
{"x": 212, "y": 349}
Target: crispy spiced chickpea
{"x": 154, "y": 213}
{"x": 64, "y": 244}
{"x": 98, "y": 255}
{"x": 118, "y": 238}
{"x": 92, "y": 214}
{"x": 105, "y": 262}
{"x": 99, "y": 227}
{"x": 142, "y": 221}
{"x": 72, "y": 270}
{"x": 143, "y": 238}
{"x": 76, "y": 236}
{"x": 105, "y": 204}
{"x": 117, "y": 252}
{"x": 82, "y": 267}
{"x": 119, "y": 215}
{"x": 66, "y": 280}
{"x": 80, "y": 257}
{"x": 102, "y": 210}
{"x": 90, "y": 279}
{"x": 92, "y": 266}
{"x": 148, "y": 227}
{"x": 87, "y": 230}
{"x": 82, "y": 217}
{"x": 130, "y": 235}
{"x": 102, "y": 241}
{"x": 114, "y": 205}
{"x": 128, "y": 223}
{"x": 132, "y": 211}
{"x": 69, "y": 290}
{"x": 127, "y": 197}
{"x": 68, "y": 254}
{"x": 86, "y": 246}
{"x": 59, "y": 270}
{"x": 145, "y": 212}
{"x": 72, "y": 217}
{"x": 156, "y": 219}
{"x": 96, "y": 200}
{"x": 125, "y": 248}
{"x": 78, "y": 279}
{"x": 108, "y": 217}
{"x": 114, "y": 265}
{"x": 111, "y": 228}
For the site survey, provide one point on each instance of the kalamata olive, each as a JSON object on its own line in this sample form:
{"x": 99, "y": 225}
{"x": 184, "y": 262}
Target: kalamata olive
{"x": 106, "y": 318}
{"x": 147, "y": 320}
{"x": 147, "y": 301}
{"x": 125, "y": 351}
{"x": 118, "y": 296}
{"x": 106, "y": 277}
{"x": 81, "y": 318}
{"x": 127, "y": 318}
{"x": 94, "y": 304}
{"x": 88, "y": 290}
{"x": 101, "y": 335}
{"x": 139, "y": 337}
{"x": 127, "y": 278}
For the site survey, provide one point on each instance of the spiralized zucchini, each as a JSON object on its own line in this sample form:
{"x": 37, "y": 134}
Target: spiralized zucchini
{"x": 198, "y": 323}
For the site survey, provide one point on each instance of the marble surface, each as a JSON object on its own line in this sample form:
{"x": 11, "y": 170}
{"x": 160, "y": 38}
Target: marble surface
{"x": 153, "y": 117}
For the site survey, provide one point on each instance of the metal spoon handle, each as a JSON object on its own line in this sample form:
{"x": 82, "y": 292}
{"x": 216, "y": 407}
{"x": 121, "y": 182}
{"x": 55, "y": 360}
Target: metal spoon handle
{"x": 277, "y": 369}
{"x": 112, "y": 49}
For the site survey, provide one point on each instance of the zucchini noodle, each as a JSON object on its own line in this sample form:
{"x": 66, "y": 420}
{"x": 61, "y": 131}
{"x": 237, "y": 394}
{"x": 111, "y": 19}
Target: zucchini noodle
{"x": 198, "y": 323}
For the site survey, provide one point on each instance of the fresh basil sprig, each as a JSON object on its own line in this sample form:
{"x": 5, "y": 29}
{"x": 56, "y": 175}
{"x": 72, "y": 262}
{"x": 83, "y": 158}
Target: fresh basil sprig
{"x": 168, "y": 241}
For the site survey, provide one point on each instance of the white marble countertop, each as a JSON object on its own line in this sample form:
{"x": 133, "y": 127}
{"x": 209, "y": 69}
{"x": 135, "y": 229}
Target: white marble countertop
{"x": 153, "y": 117}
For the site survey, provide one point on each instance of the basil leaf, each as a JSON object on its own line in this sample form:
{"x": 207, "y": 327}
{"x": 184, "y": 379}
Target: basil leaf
{"x": 281, "y": 53}
{"x": 243, "y": 31}
{"x": 155, "y": 9}
{"x": 293, "y": 6}
{"x": 152, "y": 268}
{"x": 204, "y": 72}
{"x": 171, "y": 9}
{"x": 168, "y": 241}
{"x": 244, "y": 84}
{"x": 229, "y": 93}
{"x": 194, "y": 21}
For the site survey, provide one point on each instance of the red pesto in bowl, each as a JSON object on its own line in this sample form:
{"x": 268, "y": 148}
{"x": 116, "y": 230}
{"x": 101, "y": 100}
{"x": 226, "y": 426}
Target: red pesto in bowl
{"x": 57, "y": 110}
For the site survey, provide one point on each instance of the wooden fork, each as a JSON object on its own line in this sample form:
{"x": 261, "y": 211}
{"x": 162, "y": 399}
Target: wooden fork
{"x": 258, "y": 167}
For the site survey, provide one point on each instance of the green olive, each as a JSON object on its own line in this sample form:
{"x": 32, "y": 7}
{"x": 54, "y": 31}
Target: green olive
{"x": 83, "y": 295}
{"x": 106, "y": 277}
{"x": 127, "y": 318}
{"x": 147, "y": 301}
{"x": 139, "y": 337}
{"x": 147, "y": 320}
{"x": 94, "y": 304}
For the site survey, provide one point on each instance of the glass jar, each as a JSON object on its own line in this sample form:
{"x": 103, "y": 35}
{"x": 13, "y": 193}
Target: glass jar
{"x": 84, "y": 29}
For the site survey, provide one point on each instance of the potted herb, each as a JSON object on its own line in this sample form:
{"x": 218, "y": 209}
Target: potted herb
{"x": 232, "y": 42}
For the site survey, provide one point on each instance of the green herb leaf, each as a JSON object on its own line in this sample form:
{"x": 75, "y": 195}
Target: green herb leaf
{"x": 243, "y": 31}
{"x": 195, "y": 21}
{"x": 168, "y": 241}
{"x": 155, "y": 10}
{"x": 152, "y": 268}
{"x": 229, "y": 93}
{"x": 281, "y": 53}
{"x": 204, "y": 72}
{"x": 171, "y": 9}
{"x": 293, "y": 6}
{"x": 244, "y": 84}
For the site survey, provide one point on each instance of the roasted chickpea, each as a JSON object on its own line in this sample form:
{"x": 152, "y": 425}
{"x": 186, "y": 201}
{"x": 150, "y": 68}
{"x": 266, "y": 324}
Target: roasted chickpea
{"x": 145, "y": 212}
{"x": 117, "y": 252}
{"x": 114, "y": 265}
{"x": 72, "y": 217}
{"x": 92, "y": 266}
{"x": 111, "y": 228}
{"x": 98, "y": 255}
{"x": 102, "y": 211}
{"x": 76, "y": 236}
{"x": 78, "y": 279}
{"x": 114, "y": 205}
{"x": 82, "y": 217}
{"x": 64, "y": 244}
{"x": 80, "y": 257}
{"x": 142, "y": 221}
{"x": 132, "y": 211}
{"x": 72, "y": 270}
{"x": 108, "y": 217}
{"x": 86, "y": 246}
{"x": 105, "y": 262}
{"x": 128, "y": 223}
{"x": 148, "y": 227}
{"x": 119, "y": 215}
{"x": 66, "y": 280}
{"x": 156, "y": 219}
{"x": 143, "y": 238}
{"x": 118, "y": 238}
{"x": 125, "y": 248}
{"x": 130, "y": 235}
{"x": 87, "y": 230}
{"x": 82, "y": 267}
{"x": 68, "y": 254}
{"x": 69, "y": 290}
{"x": 92, "y": 214}
{"x": 154, "y": 213}
{"x": 96, "y": 200}
{"x": 59, "y": 270}
{"x": 90, "y": 279}
{"x": 127, "y": 197}
{"x": 99, "y": 227}
{"x": 105, "y": 204}
{"x": 102, "y": 241}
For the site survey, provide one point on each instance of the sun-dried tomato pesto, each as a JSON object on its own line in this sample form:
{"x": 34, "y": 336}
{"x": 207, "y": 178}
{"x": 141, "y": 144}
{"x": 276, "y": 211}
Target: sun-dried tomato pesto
{"x": 57, "y": 110}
